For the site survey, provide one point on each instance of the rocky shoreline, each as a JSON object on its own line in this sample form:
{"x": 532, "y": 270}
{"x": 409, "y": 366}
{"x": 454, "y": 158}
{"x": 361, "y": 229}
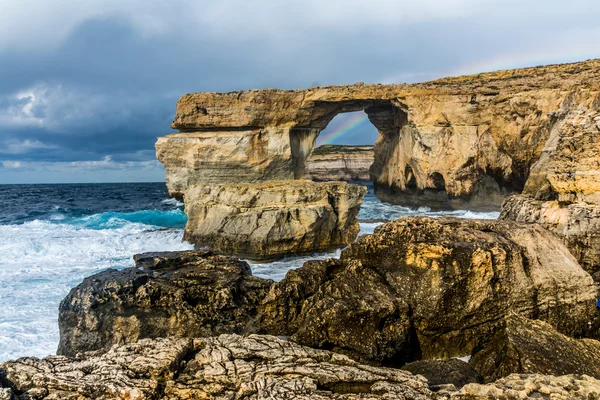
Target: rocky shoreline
{"x": 196, "y": 325}
{"x": 397, "y": 315}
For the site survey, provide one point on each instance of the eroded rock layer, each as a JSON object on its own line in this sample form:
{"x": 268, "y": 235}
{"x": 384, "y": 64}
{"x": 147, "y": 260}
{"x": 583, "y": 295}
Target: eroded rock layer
{"x": 465, "y": 141}
{"x": 225, "y": 367}
{"x": 273, "y": 219}
{"x": 340, "y": 163}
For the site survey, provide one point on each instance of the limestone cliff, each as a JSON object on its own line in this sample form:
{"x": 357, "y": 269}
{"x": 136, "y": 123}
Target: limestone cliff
{"x": 563, "y": 190}
{"x": 340, "y": 163}
{"x": 465, "y": 141}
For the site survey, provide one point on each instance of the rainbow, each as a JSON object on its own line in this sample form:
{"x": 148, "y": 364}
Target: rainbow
{"x": 350, "y": 124}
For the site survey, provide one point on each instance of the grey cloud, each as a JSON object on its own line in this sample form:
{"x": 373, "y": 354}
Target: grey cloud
{"x": 109, "y": 87}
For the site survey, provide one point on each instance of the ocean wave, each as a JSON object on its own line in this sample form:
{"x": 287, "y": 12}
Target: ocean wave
{"x": 111, "y": 220}
{"x": 173, "y": 202}
{"x": 41, "y": 260}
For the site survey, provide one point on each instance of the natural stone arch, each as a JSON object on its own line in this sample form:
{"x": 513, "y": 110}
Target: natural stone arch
{"x": 387, "y": 117}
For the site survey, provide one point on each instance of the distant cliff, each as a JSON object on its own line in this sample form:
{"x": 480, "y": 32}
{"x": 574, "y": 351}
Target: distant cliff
{"x": 340, "y": 163}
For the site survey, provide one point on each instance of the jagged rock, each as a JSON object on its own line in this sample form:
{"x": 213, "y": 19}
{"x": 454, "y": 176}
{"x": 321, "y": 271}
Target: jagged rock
{"x": 6, "y": 392}
{"x": 534, "y": 347}
{"x": 444, "y": 372}
{"x": 167, "y": 294}
{"x": 563, "y": 190}
{"x": 430, "y": 288}
{"x": 578, "y": 224}
{"x": 340, "y": 163}
{"x": 515, "y": 386}
{"x": 273, "y": 219}
{"x": 224, "y": 367}
{"x": 461, "y": 142}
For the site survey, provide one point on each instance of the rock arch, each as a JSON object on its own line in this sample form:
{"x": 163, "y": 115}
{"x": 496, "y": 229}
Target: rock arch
{"x": 383, "y": 114}
{"x": 482, "y": 133}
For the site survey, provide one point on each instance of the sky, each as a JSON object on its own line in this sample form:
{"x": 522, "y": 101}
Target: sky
{"x": 87, "y": 86}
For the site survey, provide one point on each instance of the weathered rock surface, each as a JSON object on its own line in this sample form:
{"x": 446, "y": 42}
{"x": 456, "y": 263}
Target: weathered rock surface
{"x": 464, "y": 141}
{"x": 224, "y": 367}
{"x": 430, "y": 288}
{"x": 444, "y": 372}
{"x": 273, "y": 219}
{"x": 578, "y": 224}
{"x": 533, "y": 347}
{"x": 340, "y": 163}
{"x": 563, "y": 190}
{"x": 535, "y": 386}
{"x": 167, "y": 294}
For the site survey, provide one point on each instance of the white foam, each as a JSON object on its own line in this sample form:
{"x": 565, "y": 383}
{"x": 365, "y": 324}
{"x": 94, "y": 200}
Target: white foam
{"x": 41, "y": 261}
{"x": 173, "y": 202}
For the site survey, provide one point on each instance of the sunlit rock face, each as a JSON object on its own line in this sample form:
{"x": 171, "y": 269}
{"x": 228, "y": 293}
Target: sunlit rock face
{"x": 269, "y": 220}
{"x": 563, "y": 189}
{"x": 455, "y": 142}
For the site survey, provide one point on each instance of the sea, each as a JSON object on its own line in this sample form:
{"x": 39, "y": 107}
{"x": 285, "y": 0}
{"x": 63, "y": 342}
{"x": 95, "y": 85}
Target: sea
{"x": 53, "y": 236}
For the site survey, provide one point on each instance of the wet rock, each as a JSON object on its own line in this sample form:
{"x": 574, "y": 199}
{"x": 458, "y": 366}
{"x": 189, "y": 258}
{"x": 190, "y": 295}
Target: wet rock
{"x": 430, "y": 288}
{"x": 224, "y": 367}
{"x": 444, "y": 372}
{"x": 167, "y": 294}
{"x": 273, "y": 219}
{"x": 534, "y": 347}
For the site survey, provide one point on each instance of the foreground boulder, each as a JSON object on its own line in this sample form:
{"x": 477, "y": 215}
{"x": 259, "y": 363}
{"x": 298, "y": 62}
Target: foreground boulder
{"x": 430, "y": 288}
{"x": 273, "y": 219}
{"x": 186, "y": 293}
{"x": 533, "y": 347}
{"x": 578, "y": 224}
{"x": 224, "y": 367}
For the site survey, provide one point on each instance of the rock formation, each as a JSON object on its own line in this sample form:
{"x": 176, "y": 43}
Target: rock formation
{"x": 577, "y": 223}
{"x": 535, "y": 386}
{"x": 253, "y": 367}
{"x": 430, "y": 288}
{"x": 167, "y": 294}
{"x": 340, "y": 163}
{"x": 417, "y": 288}
{"x": 464, "y": 141}
{"x": 533, "y": 347}
{"x": 273, "y": 219}
{"x": 563, "y": 190}
{"x": 224, "y": 367}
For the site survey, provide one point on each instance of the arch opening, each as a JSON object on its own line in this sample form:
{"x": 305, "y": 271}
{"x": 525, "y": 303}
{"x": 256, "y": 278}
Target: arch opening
{"x": 346, "y": 131}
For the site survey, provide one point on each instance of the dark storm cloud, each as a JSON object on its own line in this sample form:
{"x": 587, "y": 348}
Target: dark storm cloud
{"x": 108, "y": 88}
